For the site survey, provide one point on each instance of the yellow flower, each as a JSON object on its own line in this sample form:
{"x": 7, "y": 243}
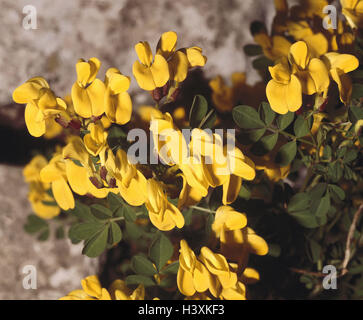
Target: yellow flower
{"x": 91, "y": 290}
{"x": 131, "y": 183}
{"x": 210, "y": 271}
{"x": 311, "y": 72}
{"x": 150, "y": 73}
{"x": 189, "y": 195}
{"x": 168, "y": 140}
{"x": 168, "y": 64}
{"x": 88, "y": 92}
{"x": 304, "y": 75}
{"x": 163, "y": 214}
{"x": 353, "y": 11}
{"x": 38, "y": 196}
{"x": 274, "y": 47}
{"x": 96, "y": 140}
{"x": 310, "y": 8}
{"x": 118, "y": 104}
{"x": 119, "y": 291}
{"x": 237, "y": 245}
{"x": 227, "y": 219}
{"x": 55, "y": 174}
{"x": 284, "y": 91}
{"x": 181, "y": 60}
{"x": 42, "y": 104}
{"x": 339, "y": 65}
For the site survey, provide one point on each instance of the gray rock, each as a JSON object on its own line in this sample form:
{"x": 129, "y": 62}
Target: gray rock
{"x": 68, "y": 30}
{"x": 59, "y": 265}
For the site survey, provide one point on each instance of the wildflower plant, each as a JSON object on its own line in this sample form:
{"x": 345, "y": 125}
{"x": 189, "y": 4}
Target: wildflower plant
{"x": 209, "y": 205}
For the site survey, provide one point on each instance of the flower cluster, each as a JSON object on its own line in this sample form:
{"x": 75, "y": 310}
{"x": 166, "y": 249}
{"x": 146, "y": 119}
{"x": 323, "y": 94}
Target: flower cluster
{"x": 92, "y": 290}
{"x": 210, "y": 271}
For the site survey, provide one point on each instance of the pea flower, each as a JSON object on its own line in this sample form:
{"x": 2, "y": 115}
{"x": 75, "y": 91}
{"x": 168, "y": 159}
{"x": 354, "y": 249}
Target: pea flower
{"x": 163, "y": 214}
{"x": 131, "y": 183}
{"x": 152, "y": 72}
{"x": 353, "y": 11}
{"x": 311, "y": 72}
{"x": 181, "y": 60}
{"x": 227, "y": 219}
{"x": 38, "y": 196}
{"x": 118, "y": 104}
{"x": 55, "y": 174}
{"x": 42, "y": 105}
{"x": 339, "y": 65}
{"x": 88, "y": 92}
{"x": 80, "y": 175}
{"x": 92, "y": 290}
{"x": 96, "y": 140}
{"x": 209, "y": 272}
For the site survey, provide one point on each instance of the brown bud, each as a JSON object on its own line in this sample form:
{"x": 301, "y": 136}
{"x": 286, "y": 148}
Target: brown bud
{"x": 61, "y": 121}
{"x": 96, "y": 182}
{"x": 112, "y": 183}
{"x": 165, "y": 89}
{"x": 175, "y": 94}
{"x": 157, "y": 94}
{"x": 103, "y": 173}
{"x": 75, "y": 124}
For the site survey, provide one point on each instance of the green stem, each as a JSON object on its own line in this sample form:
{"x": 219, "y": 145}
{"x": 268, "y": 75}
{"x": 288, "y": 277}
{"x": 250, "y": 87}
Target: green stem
{"x": 202, "y": 209}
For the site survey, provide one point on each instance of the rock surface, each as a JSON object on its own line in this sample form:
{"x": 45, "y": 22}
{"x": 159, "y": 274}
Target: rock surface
{"x": 59, "y": 265}
{"x": 68, "y": 30}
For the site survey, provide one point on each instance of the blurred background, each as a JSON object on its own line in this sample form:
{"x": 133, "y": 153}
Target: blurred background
{"x": 108, "y": 30}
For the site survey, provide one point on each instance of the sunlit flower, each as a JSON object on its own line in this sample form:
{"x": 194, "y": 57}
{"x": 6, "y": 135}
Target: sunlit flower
{"x": 88, "y": 92}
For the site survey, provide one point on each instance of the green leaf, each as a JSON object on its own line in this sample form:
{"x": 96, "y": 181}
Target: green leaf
{"x": 262, "y": 63}
{"x": 115, "y": 136}
{"x": 337, "y": 191}
{"x": 251, "y": 136}
{"x": 35, "y": 224}
{"x": 274, "y": 250}
{"x": 114, "y": 201}
{"x": 322, "y": 209}
{"x": 283, "y": 121}
{"x": 209, "y": 120}
{"x": 247, "y": 117}
{"x": 301, "y": 127}
{"x": 198, "y": 111}
{"x": 266, "y": 113}
{"x": 315, "y": 250}
{"x": 265, "y": 145}
{"x": 350, "y": 156}
{"x": 244, "y": 193}
{"x": 141, "y": 265}
{"x": 140, "y": 279}
{"x": 305, "y": 218}
{"x": 43, "y": 236}
{"x": 161, "y": 251}
{"x": 286, "y": 154}
{"x": 82, "y": 212}
{"x": 335, "y": 171}
{"x": 115, "y": 234}
{"x": 129, "y": 213}
{"x": 85, "y": 230}
{"x": 96, "y": 244}
{"x": 101, "y": 212}
{"x": 252, "y": 50}
{"x": 188, "y": 216}
{"x": 357, "y": 91}
{"x": 171, "y": 268}
{"x": 299, "y": 202}
{"x": 133, "y": 231}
